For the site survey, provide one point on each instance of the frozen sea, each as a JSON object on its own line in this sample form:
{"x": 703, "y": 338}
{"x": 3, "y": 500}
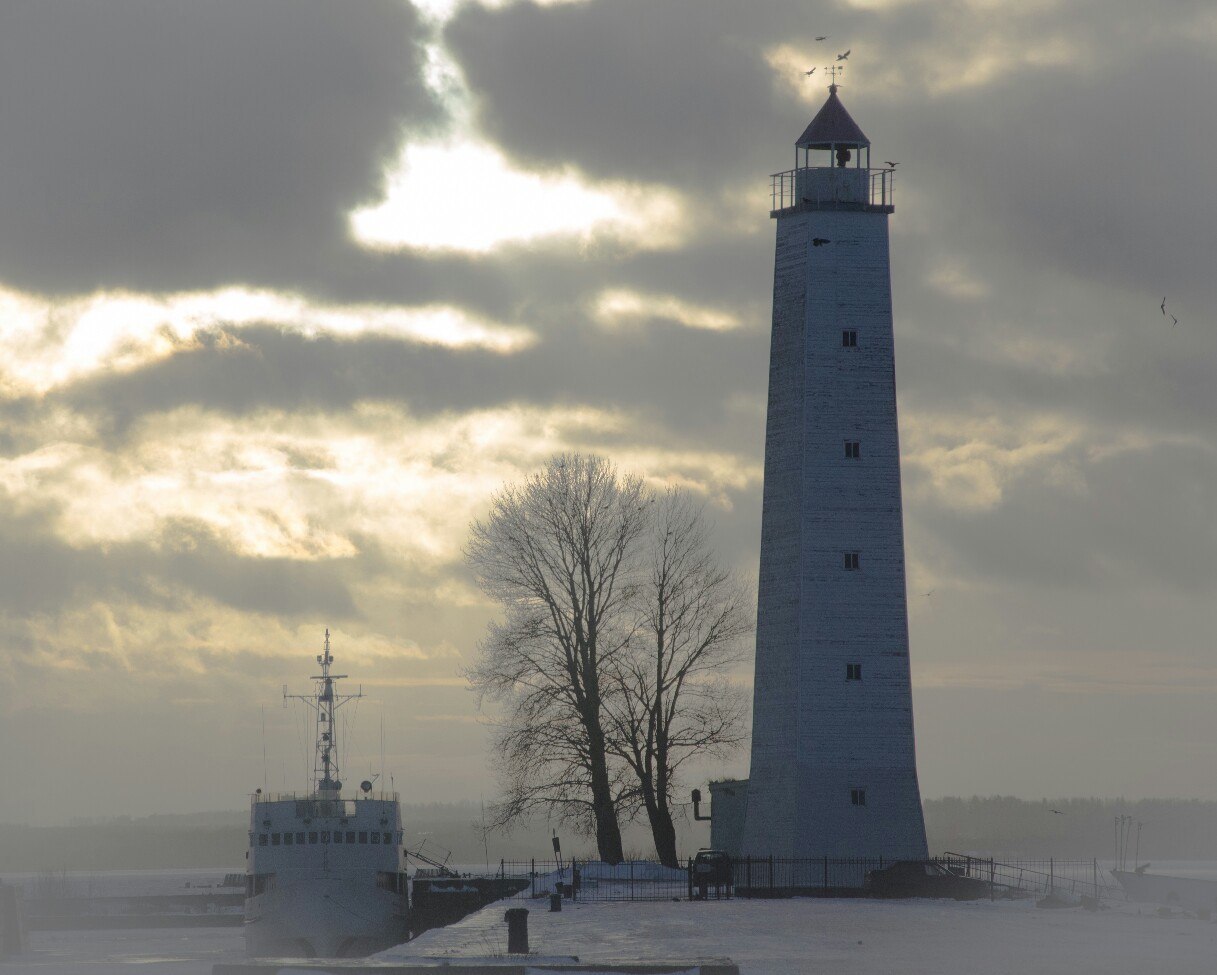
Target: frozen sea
{"x": 842, "y": 937}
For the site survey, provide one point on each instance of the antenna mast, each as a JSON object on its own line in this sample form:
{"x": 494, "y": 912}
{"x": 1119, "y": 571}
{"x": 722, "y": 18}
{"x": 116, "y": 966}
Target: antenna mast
{"x": 325, "y": 701}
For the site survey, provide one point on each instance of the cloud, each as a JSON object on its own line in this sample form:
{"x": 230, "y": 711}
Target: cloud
{"x": 173, "y": 145}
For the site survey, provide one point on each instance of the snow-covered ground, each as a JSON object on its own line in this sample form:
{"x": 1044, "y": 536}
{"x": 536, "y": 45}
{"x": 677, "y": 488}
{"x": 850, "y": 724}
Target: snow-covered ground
{"x": 779, "y": 937}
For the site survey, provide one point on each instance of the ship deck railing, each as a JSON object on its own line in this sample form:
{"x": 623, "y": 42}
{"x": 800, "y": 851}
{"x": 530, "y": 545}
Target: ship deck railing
{"x": 313, "y": 797}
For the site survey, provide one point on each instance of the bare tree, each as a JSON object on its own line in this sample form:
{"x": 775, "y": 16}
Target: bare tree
{"x": 675, "y": 699}
{"x": 556, "y": 553}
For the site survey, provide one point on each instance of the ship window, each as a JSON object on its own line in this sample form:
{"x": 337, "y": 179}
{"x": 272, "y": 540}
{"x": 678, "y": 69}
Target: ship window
{"x": 312, "y": 837}
{"x": 275, "y": 839}
{"x": 337, "y": 836}
{"x": 375, "y": 837}
{"x": 363, "y": 836}
{"x": 853, "y": 560}
{"x": 853, "y": 671}
{"x": 853, "y": 449}
{"x": 857, "y": 797}
{"x": 350, "y": 836}
{"x": 388, "y": 838}
{"x": 325, "y": 836}
{"x": 849, "y": 339}
{"x": 300, "y": 839}
{"x": 263, "y": 839}
{"x": 287, "y": 839}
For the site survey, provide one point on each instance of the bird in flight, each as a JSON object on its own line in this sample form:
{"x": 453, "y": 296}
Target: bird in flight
{"x": 1163, "y": 306}
{"x": 822, "y": 37}
{"x": 1174, "y": 321}
{"x": 842, "y": 57}
{"x": 1058, "y": 812}
{"x": 810, "y": 73}
{"x": 930, "y": 593}
{"x": 819, "y": 241}
{"x": 890, "y": 164}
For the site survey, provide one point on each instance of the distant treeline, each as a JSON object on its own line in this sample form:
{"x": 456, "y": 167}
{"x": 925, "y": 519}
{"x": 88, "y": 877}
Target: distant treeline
{"x": 218, "y": 839}
{"x": 1173, "y": 829}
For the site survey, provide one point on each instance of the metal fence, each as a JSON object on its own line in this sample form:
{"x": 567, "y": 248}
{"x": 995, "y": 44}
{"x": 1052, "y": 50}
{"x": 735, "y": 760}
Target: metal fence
{"x": 1078, "y": 878}
{"x": 766, "y": 877}
{"x": 583, "y": 880}
{"x": 778, "y": 877}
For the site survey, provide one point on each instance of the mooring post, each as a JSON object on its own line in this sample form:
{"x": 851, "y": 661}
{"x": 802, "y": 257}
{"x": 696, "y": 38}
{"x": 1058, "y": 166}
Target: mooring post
{"x": 517, "y": 930}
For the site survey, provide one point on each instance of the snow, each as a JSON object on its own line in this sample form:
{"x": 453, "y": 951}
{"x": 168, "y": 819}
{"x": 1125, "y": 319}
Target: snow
{"x": 915, "y": 937}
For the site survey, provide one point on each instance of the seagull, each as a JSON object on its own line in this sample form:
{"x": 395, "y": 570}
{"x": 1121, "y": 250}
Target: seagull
{"x": 810, "y": 73}
{"x": 1174, "y": 321}
{"x": 890, "y": 164}
{"x": 1163, "y": 306}
{"x": 822, "y": 37}
{"x": 842, "y": 57}
{"x": 1058, "y": 812}
{"x": 931, "y": 592}
{"x": 819, "y": 241}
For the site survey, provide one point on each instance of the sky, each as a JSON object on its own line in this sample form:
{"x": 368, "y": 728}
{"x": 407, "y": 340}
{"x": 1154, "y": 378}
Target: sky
{"x": 289, "y": 288}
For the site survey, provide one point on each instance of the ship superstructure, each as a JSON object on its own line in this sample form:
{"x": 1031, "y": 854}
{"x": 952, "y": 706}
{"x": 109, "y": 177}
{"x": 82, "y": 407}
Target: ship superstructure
{"x": 326, "y": 874}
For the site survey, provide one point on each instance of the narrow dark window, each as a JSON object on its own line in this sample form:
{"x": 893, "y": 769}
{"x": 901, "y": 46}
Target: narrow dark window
{"x": 389, "y": 838}
{"x": 363, "y": 836}
{"x": 337, "y": 836}
{"x": 300, "y": 839}
{"x": 852, "y": 561}
{"x": 375, "y": 837}
{"x": 857, "y": 797}
{"x": 312, "y": 837}
{"x": 853, "y": 671}
{"x": 849, "y": 339}
{"x": 853, "y": 449}
{"x": 325, "y": 836}
{"x": 274, "y": 839}
{"x": 263, "y": 839}
{"x": 287, "y": 839}
{"x": 350, "y": 836}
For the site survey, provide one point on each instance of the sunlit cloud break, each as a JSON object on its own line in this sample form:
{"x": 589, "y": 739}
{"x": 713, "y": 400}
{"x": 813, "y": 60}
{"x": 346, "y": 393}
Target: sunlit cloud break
{"x": 466, "y": 196}
{"x": 621, "y": 306}
{"x": 45, "y": 344}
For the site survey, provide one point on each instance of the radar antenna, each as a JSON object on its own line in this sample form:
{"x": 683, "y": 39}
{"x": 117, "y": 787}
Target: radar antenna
{"x": 325, "y": 701}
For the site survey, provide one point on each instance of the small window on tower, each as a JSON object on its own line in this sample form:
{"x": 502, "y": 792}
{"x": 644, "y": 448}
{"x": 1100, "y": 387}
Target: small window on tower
{"x": 852, "y": 561}
{"x": 312, "y": 837}
{"x": 287, "y": 839}
{"x": 849, "y": 339}
{"x": 853, "y": 671}
{"x": 300, "y": 839}
{"x": 274, "y": 839}
{"x": 857, "y": 797}
{"x": 853, "y": 449}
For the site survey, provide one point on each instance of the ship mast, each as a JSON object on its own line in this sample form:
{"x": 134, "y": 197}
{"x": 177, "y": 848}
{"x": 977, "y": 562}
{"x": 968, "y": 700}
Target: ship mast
{"x": 325, "y": 701}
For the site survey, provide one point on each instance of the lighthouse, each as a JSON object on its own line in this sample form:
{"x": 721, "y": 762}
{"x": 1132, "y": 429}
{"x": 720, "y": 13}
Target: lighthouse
{"x": 834, "y": 771}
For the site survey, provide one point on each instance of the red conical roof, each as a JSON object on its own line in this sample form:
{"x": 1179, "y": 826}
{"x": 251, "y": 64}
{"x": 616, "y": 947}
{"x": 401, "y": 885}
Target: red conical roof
{"x": 832, "y": 126}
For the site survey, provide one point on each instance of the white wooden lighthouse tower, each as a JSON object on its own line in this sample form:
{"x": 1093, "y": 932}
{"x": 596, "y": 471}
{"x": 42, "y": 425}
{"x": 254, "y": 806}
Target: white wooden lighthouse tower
{"x": 833, "y": 765}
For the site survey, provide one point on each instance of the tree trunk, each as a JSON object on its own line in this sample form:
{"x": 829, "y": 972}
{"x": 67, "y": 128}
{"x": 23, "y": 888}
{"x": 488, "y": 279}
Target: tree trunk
{"x": 608, "y": 830}
{"x": 664, "y": 832}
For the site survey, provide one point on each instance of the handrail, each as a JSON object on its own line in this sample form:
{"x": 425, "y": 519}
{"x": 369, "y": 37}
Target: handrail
{"x": 831, "y": 186}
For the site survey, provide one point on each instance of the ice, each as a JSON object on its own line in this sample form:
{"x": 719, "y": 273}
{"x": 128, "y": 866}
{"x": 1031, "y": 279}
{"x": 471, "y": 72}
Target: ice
{"x": 915, "y": 937}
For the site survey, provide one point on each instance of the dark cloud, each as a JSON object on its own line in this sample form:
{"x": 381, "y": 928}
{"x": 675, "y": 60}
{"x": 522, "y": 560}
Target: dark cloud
{"x": 166, "y": 144}
{"x": 584, "y": 364}
{"x": 43, "y": 576}
{"x": 674, "y": 92}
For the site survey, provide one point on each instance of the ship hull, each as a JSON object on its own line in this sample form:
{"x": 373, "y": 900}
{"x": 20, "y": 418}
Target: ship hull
{"x": 325, "y": 916}
{"x": 1188, "y": 893}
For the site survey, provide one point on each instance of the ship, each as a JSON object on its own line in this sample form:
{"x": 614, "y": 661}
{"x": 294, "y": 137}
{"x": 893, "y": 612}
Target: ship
{"x": 326, "y": 871}
{"x": 1193, "y": 894}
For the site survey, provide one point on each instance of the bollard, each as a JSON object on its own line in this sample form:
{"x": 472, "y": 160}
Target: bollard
{"x": 555, "y": 903}
{"x": 517, "y": 931}
{"x": 12, "y": 937}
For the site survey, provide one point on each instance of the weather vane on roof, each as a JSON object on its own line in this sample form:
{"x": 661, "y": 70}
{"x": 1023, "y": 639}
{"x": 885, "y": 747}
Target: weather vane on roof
{"x": 834, "y": 69}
